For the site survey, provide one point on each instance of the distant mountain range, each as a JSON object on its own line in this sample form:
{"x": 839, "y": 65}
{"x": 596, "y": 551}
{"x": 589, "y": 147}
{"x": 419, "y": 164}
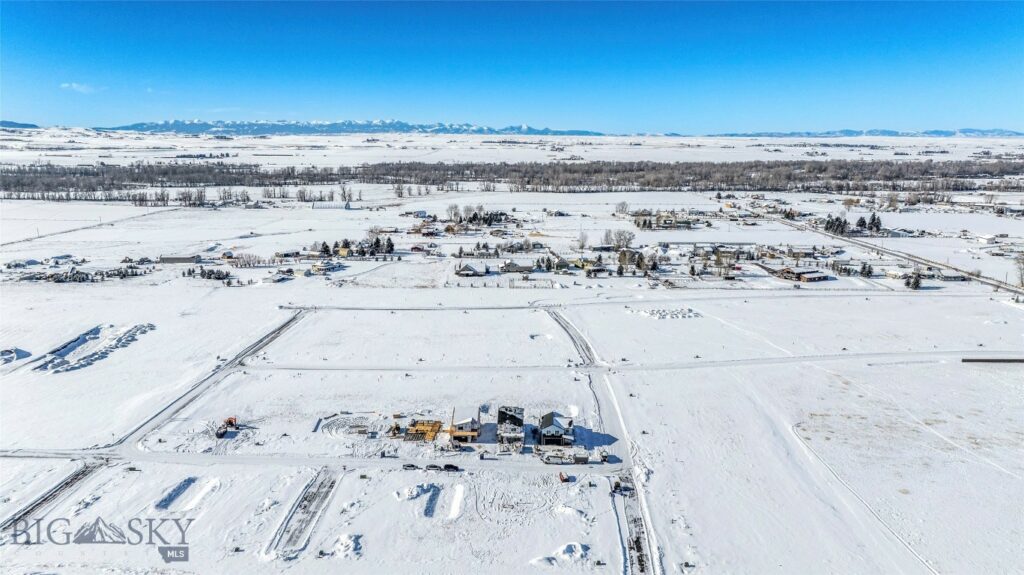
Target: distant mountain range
{"x": 283, "y": 127}
{"x": 9, "y": 124}
{"x": 962, "y": 132}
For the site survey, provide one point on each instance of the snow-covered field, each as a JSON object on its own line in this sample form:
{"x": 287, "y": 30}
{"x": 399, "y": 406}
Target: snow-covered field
{"x": 75, "y": 145}
{"x": 751, "y": 424}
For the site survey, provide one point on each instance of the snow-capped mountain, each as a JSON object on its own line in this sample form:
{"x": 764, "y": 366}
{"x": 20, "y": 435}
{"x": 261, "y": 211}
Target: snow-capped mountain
{"x": 289, "y": 127}
{"x": 962, "y": 132}
{"x": 282, "y": 127}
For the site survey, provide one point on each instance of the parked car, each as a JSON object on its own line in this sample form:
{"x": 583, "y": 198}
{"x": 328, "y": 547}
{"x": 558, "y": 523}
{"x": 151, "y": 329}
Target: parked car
{"x": 433, "y": 467}
{"x": 451, "y": 467}
{"x": 410, "y": 466}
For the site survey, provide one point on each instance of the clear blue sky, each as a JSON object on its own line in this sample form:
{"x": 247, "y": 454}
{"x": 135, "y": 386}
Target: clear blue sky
{"x": 640, "y": 67}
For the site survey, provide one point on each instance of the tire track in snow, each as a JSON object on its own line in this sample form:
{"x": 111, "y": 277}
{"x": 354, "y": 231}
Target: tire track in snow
{"x": 863, "y": 502}
{"x": 581, "y": 344}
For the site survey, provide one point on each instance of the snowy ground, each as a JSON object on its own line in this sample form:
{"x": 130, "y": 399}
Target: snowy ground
{"x": 73, "y": 146}
{"x": 763, "y": 428}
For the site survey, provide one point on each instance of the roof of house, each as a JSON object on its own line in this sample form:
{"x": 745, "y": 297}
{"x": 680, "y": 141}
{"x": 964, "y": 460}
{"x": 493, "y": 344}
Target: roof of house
{"x": 555, "y": 418}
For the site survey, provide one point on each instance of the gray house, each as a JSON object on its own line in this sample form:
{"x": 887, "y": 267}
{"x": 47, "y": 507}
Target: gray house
{"x": 556, "y": 429}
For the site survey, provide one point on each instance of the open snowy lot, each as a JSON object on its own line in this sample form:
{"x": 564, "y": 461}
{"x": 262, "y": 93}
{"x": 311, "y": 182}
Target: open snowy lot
{"x": 565, "y": 527}
{"x": 97, "y": 367}
{"x": 917, "y": 449}
{"x": 23, "y": 480}
{"x": 410, "y": 338}
{"x": 736, "y": 328}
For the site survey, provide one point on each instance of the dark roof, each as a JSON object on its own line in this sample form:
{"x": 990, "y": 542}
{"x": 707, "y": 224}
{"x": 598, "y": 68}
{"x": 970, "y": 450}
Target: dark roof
{"x": 548, "y": 419}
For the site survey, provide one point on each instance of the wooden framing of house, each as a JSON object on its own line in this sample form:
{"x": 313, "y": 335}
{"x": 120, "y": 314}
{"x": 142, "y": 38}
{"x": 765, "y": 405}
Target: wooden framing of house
{"x": 422, "y": 430}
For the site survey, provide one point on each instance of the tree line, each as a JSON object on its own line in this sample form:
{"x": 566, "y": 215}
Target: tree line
{"x": 125, "y": 182}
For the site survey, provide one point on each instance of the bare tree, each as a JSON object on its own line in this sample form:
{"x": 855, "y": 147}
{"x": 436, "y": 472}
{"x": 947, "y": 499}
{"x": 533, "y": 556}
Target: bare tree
{"x": 609, "y": 238}
{"x": 623, "y": 239}
{"x": 581, "y": 241}
{"x": 622, "y": 208}
{"x": 247, "y": 260}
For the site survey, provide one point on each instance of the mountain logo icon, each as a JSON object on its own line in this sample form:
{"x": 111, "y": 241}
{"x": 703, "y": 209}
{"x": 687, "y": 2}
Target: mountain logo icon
{"x": 100, "y": 532}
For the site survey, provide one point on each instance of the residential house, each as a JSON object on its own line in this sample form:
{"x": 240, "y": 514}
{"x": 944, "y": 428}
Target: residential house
{"x": 511, "y": 267}
{"x": 179, "y": 259}
{"x": 556, "y": 429}
{"x": 951, "y": 276}
{"x": 801, "y": 252}
{"x": 802, "y": 274}
{"x": 468, "y": 271}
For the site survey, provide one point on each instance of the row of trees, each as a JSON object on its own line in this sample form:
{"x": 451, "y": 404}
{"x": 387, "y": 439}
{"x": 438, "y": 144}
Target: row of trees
{"x": 840, "y": 176}
{"x": 872, "y": 224}
{"x": 207, "y": 273}
{"x": 838, "y": 226}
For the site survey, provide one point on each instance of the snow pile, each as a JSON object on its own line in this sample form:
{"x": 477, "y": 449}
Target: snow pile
{"x": 680, "y": 313}
{"x": 572, "y": 554}
{"x": 415, "y": 492}
{"x": 12, "y": 354}
{"x": 175, "y": 492}
{"x": 432, "y": 491}
{"x": 457, "y": 497}
{"x": 90, "y": 347}
{"x": 571, "y": 512}
{"x": 349, "y": 546}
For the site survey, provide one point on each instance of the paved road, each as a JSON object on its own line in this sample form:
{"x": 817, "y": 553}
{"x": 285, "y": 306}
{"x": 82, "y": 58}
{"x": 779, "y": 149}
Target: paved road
{"x": 78, "y": 229}
{"x": 902, "y": 255}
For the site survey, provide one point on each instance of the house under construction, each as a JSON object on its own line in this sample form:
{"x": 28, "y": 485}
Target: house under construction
{"x": 422, "y": 430}
{"x": 466, "y": 427}
{"x": 511, "y": 421}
